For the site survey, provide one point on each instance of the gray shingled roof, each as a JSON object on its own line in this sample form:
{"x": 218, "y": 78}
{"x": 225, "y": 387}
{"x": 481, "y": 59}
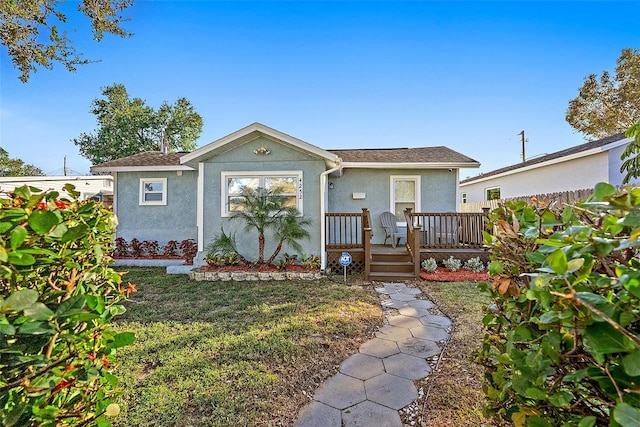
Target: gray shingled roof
{"x": 148, "y": 158}
{"x": 403, "y": 155}
{"x": 381, "y": 155}
{"x": 558, "y": 154}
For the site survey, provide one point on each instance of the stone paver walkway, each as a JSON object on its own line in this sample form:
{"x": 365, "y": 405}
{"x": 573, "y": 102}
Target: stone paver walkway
{"x": 375, "y": 383}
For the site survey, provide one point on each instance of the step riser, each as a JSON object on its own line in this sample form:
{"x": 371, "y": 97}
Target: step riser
{"x": 392, "y": 268}
{"x": 390, "y": 277}
{"x": 391, "y": 258}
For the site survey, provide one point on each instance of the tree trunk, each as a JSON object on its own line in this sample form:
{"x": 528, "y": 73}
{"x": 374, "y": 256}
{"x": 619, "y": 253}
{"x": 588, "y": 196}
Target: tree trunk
{"x": 261, "y": 248}
{"x": 275, "y": 253}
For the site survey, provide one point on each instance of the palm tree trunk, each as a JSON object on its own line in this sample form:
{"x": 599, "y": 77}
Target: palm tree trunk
{"x": 260, "y": 248}
{"x": 275, "y": 253}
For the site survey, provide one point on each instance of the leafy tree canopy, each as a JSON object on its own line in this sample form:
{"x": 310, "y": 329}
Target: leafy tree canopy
{"x": 128, "y": 126}
{"x": 607, "y": 105}
{"x": 30, "y": 30}
{"x": 16, "y": 167}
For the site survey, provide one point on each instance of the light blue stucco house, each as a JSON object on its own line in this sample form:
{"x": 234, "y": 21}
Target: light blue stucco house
{"x": 175, "y": 196}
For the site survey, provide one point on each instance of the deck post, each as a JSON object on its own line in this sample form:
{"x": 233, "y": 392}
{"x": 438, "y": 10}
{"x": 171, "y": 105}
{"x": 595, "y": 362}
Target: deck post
{"x": 367, "y": 232}
{"x": 415, "y": 235}
{"x": 366, "y": 242}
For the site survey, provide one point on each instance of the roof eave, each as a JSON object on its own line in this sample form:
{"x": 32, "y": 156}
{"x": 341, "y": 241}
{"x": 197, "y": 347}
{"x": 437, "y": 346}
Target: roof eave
{"x": 410, "y": 165}
{"x": 159, "y": 168}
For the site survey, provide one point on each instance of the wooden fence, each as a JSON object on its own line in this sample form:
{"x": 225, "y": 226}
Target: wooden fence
{"x": 560, "y": 198}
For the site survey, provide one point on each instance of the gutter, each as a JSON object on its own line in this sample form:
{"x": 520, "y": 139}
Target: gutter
{"x": 323, "y": 198}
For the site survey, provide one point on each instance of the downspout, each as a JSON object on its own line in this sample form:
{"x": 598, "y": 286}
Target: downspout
{"x": 323, "y": 198}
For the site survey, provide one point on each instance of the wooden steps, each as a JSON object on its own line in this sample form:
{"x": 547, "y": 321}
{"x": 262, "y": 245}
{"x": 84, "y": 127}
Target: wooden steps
{"x": 390, "y": 266}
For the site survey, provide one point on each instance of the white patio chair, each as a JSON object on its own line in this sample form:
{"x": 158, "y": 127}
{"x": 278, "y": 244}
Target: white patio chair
{"x": 388, "y": 221}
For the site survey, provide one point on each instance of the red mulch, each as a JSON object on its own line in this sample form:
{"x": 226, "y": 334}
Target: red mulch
{"x": 444, "y": 275}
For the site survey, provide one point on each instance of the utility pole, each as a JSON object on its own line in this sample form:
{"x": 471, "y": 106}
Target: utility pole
{"x": 64, "y": 166}
{"x": 522, "y": 134}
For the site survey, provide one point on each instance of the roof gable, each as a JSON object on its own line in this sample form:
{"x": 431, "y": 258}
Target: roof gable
{"x": 248, "y": 134}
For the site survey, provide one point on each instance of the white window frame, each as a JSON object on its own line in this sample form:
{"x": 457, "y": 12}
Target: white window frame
{"x": 392, "y": 198}
{"x": 486, "y": 192}
{"x": 224, "y": 206}
{"x": 143, "y": 182}
{"x": 463, "y": 197}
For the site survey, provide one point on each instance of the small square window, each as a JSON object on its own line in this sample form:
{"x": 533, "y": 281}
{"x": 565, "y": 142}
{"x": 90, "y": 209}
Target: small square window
{"x": 493, "y": 193}
{"x": 153, "y": 191}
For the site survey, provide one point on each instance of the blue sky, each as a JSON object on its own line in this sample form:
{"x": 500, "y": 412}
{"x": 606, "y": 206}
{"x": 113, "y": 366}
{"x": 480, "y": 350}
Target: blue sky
{"x": 466, "y": 75}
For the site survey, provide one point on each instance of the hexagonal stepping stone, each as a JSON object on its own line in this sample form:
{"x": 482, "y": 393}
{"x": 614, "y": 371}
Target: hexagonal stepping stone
{"x": 379, "y": 348}
{"x": 401, "y": 296}
{"x": 432, "y": 319}
{"x": 367, "y": 414}
{"x": 341, "y": 391}
{"x": 390, "y": 390}
{"x": 391, "y": 288}
{"x": 413, "y": 311}
{"x": 393, "y": 333}
{"x": 431, "y": 333}
{"x": 393, "y": 304}
{"x": 421, "y": 303}
{"x": 404, "y": 321}
{"x": 362, "y": 366}
{"x": 406, "y": 366}
{"x": 418, "y": 347}
{"x": 317, "y": 414}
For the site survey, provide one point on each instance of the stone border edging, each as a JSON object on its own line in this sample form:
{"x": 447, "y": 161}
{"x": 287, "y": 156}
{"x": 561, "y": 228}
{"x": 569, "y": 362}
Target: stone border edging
{"x": 241, "y": 276}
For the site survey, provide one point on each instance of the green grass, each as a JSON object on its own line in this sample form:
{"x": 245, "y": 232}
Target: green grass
{"x": 233, "y": 354}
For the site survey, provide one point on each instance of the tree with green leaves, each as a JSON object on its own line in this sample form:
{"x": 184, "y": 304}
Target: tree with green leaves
{"x": 128, "y": 126}
{"x": 607, "y": 105}
{"x": 34, "y": 32}
{"x": 263, "y": 210}
{"x": 16, "y": 167}
{"x": 632, "y": 163}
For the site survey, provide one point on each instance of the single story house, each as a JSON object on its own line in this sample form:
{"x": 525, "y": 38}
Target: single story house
{"x": 575, "y": 168}
{"x": 87, "y": 185}
{"x": 174, "y": 196}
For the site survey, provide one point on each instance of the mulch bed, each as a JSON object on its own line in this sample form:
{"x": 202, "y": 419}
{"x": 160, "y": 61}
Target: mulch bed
{"x": 445, "y": 275}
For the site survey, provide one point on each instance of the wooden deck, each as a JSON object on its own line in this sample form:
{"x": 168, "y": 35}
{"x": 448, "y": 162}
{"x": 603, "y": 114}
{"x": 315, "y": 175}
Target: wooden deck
{"x": 436, "y": 235}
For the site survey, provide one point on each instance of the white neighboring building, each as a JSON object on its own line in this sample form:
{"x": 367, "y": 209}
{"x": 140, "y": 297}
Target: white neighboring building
{"x": 575, "y": 168}
{"x": 100, "y": 186}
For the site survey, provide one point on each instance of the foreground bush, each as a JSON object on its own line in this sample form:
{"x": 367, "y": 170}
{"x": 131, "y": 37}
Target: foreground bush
{"x": 562, "y": 344}
{"x": 57, "y": 297}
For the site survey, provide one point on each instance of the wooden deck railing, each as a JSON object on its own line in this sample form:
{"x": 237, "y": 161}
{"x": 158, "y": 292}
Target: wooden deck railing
{"x": 451, "y": 230}
{"x": 346, "y": 230}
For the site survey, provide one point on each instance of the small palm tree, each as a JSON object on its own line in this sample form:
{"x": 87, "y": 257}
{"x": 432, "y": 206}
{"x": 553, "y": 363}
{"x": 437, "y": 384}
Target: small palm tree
{"x": 290, "y": 229}
{"x": 263, "y": 210}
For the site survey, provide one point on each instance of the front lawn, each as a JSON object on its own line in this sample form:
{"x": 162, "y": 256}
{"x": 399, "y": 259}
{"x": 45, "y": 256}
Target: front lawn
{"x": 234, "y": 354}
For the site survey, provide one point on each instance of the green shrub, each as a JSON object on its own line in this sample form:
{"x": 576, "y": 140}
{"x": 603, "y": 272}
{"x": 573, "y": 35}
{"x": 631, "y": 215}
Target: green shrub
{"x": 562, "y": 345}
{"x": 57, "y": 298}
{"x": 453, "y": 264}
{"x": 474, "y": 264}
{"x": 430, "y": 265}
